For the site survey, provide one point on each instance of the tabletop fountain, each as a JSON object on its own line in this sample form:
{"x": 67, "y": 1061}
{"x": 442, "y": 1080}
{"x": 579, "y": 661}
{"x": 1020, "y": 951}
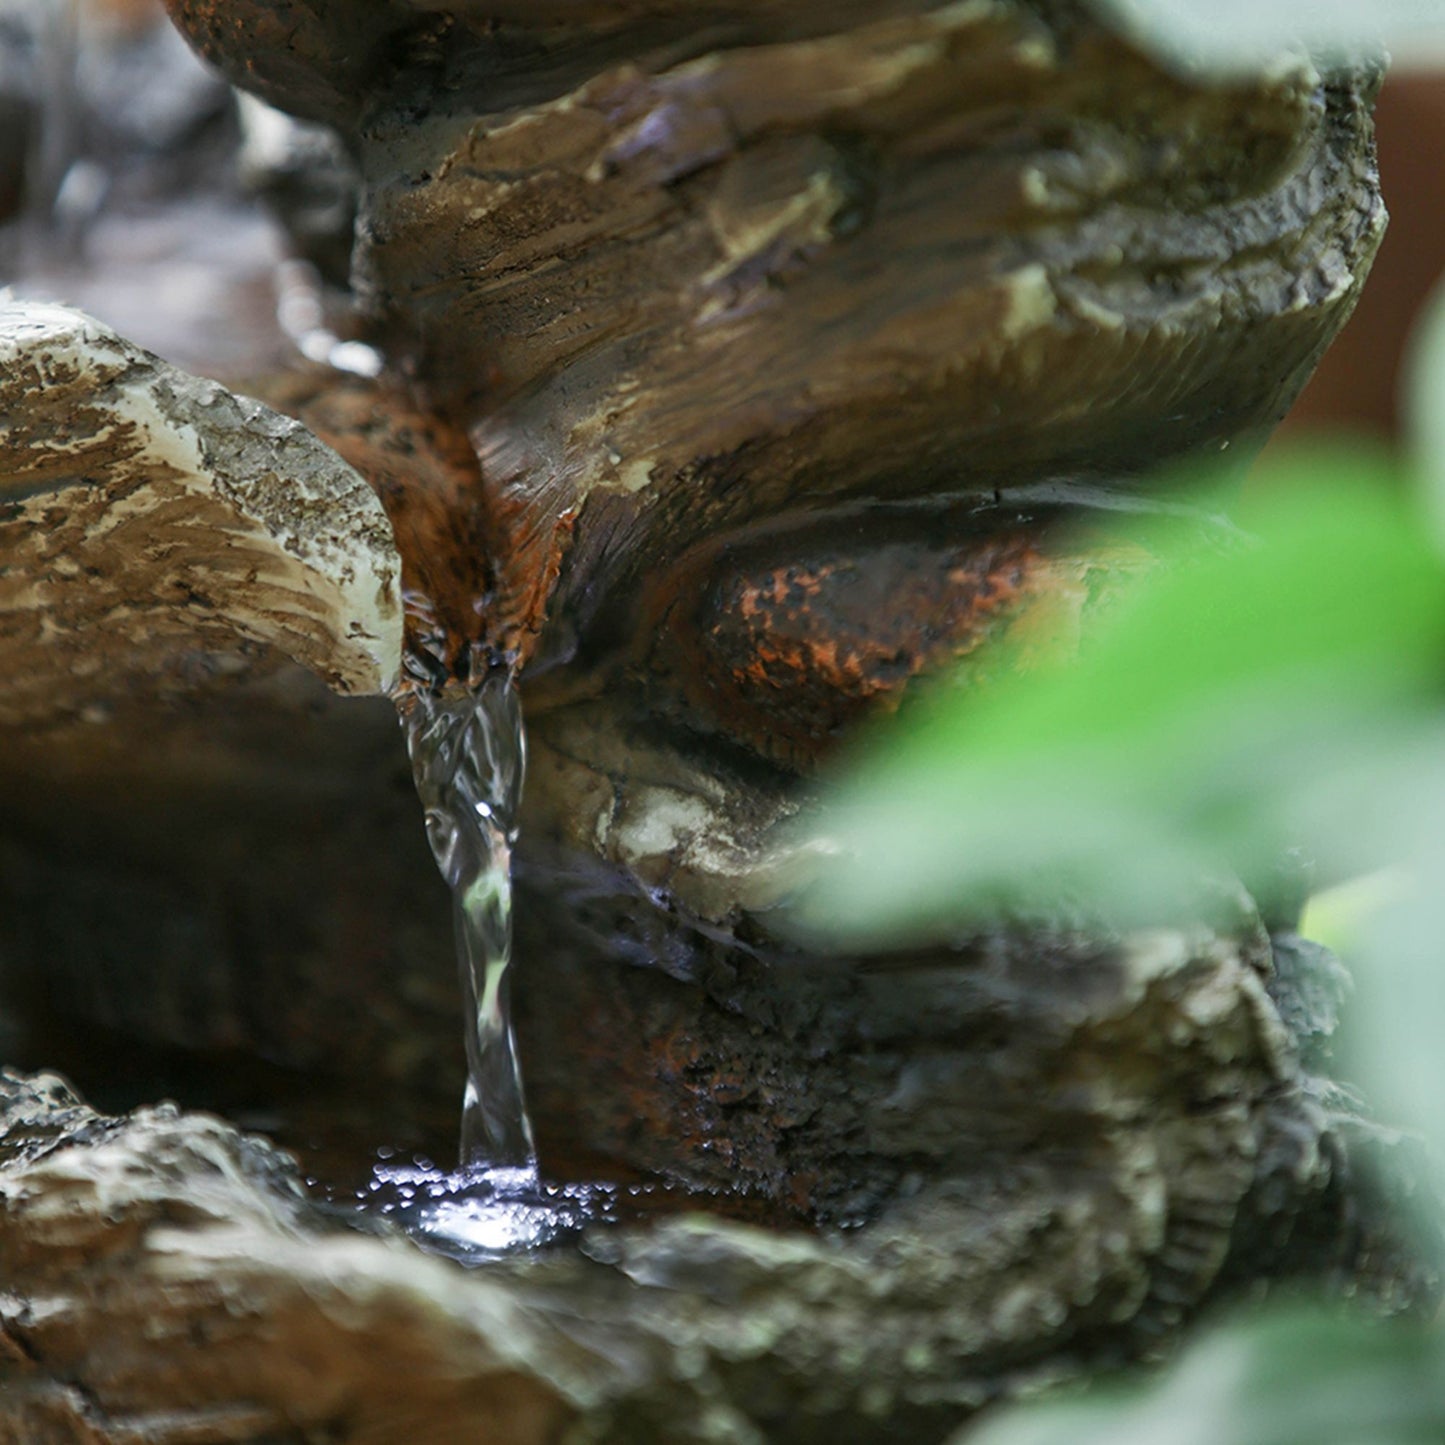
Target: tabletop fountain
{"x": 743, "y": 363}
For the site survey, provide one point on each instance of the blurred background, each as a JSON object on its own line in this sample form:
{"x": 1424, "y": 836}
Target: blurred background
{"x": 136, "y": 185}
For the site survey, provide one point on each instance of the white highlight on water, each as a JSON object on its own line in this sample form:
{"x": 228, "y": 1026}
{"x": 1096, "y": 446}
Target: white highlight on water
{"x": 478, "y": 1215}
{"x": 468, "y": 756}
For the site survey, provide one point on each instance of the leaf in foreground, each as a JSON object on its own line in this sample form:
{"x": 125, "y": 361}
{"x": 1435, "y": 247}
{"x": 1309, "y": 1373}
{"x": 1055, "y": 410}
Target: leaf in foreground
{"x": 1234, "y": 36}
{"x": 1284, "y": 1379}
{"x": 1230, "y": 701}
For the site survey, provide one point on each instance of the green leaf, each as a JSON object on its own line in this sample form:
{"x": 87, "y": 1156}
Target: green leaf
{"x": 1391, "y": 1042}
{"x": 1423, "y": 395}
{"x": 1234, "y": 36}
{"x": 1234, "y": 698}
{"x": 1291, "y": 1378}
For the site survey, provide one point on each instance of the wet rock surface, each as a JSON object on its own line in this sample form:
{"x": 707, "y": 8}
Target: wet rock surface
{"x": 745, "y": 366}
{"x": 164, "y": 1247}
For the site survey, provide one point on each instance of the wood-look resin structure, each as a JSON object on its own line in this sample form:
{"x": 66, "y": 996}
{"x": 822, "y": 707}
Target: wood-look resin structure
{"x": 746, "y": 361}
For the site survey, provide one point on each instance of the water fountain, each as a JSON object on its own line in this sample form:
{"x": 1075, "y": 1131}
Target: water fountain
{"x": 468, "y": 756}
{"x": 765, "y": 334}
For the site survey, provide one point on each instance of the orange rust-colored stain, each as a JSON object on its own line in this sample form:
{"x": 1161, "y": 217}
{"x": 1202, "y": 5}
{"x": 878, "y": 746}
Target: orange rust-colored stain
{"x": 784, "y": 653}
{"x": 798, "y": 624}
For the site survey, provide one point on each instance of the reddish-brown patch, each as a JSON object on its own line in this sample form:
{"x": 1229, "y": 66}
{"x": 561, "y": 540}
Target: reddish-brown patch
{"x": 473, "y": 589}
{"x": 784, "y": 648}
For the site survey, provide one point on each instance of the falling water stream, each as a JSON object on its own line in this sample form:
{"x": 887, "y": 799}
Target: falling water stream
{"x": 468, "y": 757}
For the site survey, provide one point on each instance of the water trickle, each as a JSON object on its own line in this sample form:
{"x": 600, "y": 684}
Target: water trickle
{"x": 468, "y": 756}
{"x": 475, "y": 1215}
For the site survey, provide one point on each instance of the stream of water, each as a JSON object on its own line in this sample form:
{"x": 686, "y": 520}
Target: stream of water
{"x": 468, "y": 756}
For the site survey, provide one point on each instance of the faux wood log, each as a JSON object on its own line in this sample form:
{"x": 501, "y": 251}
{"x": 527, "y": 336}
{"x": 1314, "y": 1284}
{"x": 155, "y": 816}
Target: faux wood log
{"x": 154, "y": 526}
{"x": 166, "y": 1280}
{"x": 687, "y": 272}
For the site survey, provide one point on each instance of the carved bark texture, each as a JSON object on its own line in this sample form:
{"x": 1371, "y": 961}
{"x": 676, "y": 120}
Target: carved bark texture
{"x": 166, "y": 1282}
{"x": 153, "y": 526}
{"x": 930, "y": 255}
{"x": 681, "y": 272}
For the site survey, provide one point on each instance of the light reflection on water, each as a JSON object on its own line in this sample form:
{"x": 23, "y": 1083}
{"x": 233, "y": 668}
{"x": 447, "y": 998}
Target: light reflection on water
{"x": 481, "y": 1213}
{"x": 468, "y": 759}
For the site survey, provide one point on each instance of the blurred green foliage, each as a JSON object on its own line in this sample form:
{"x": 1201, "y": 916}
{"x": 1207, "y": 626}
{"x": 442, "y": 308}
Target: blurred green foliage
{"x": 1285, "y": 687}
{"x": 1229, "y": 700}
{"x": 1293, "y": 1377}
{"x": 1230, "y": 36}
